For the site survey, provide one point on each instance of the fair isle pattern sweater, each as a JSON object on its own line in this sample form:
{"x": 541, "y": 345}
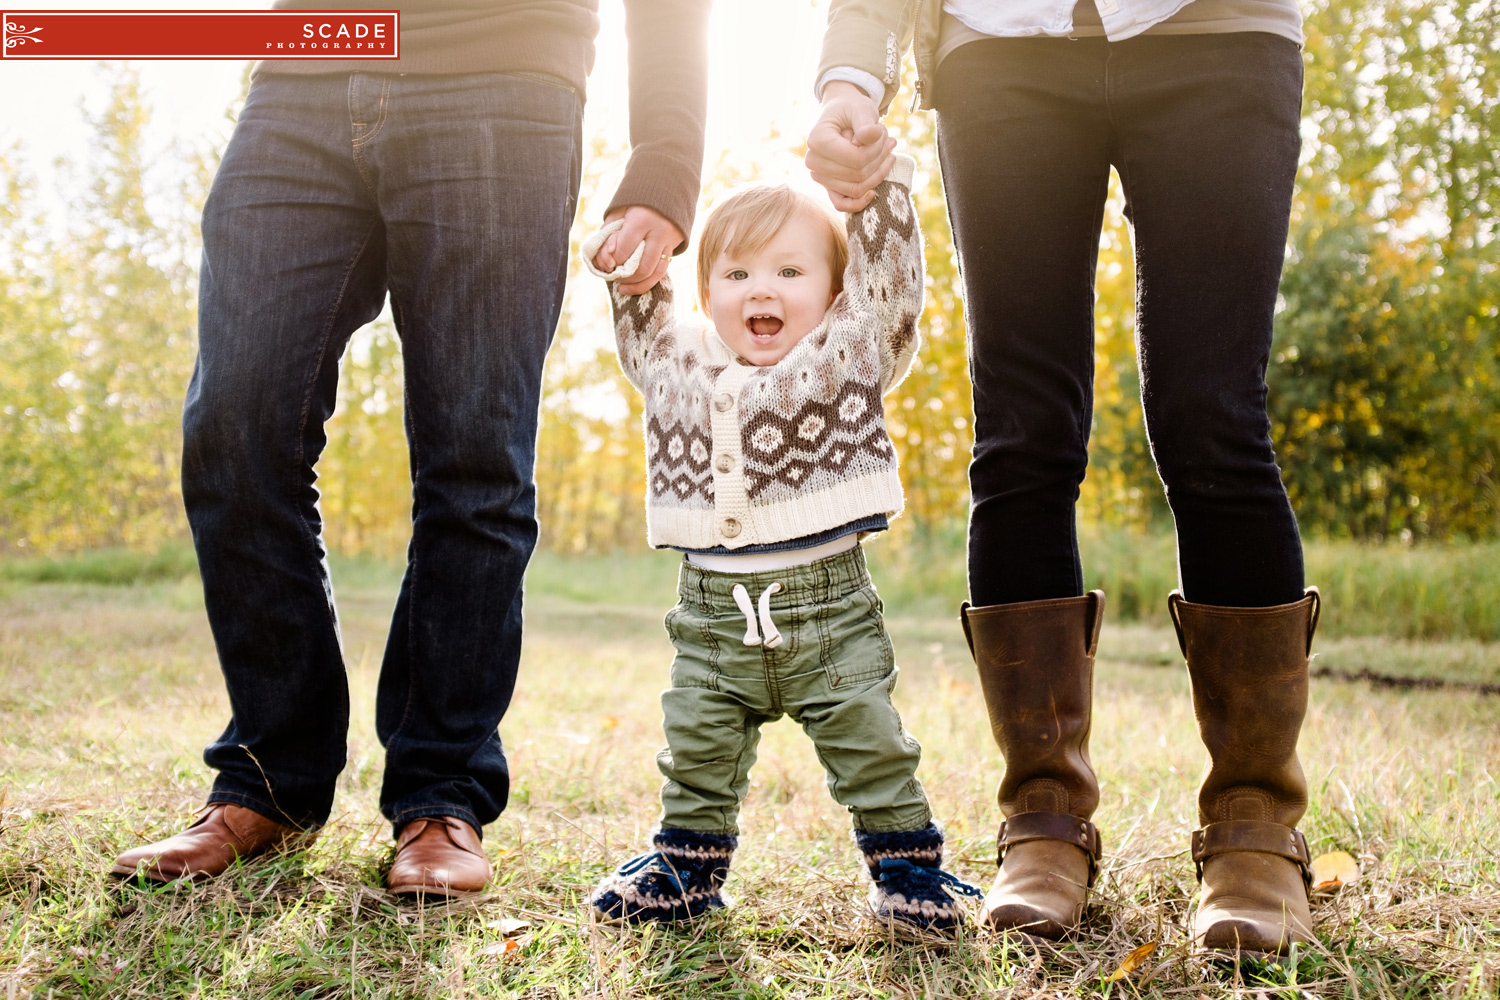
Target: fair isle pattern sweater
{"x": 738, "y": 455}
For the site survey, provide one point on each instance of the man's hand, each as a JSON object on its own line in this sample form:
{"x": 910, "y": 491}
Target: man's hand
{"x": 849, "y": 151}
{"x": 642, "y": 225}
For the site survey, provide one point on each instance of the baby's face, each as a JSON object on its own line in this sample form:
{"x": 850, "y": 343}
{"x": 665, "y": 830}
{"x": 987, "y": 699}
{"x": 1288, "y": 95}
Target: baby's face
{"x": 763, "y": 303}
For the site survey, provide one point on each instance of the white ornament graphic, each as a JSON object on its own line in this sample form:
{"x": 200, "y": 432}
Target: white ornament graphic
{"x": 19, "y": 34}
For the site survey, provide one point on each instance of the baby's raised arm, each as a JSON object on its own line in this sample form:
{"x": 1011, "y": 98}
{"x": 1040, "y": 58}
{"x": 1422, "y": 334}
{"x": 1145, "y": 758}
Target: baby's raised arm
{"x": 885, "y": 279}
{"x": 640, "y": 320}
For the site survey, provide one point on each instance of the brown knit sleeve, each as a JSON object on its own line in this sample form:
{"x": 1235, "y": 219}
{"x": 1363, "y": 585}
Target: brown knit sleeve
{"x": 668, "y": 106}
{"x": 884, "y": 282}
{"x": 643, "y": 329}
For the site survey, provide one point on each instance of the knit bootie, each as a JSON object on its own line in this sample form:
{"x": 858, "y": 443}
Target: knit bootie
{"x": 679, "y": 880}
{"x": 910, "y": 884}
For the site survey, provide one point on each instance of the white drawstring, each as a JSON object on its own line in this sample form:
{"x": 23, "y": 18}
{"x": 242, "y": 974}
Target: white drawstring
{"x": 752, "y": 636}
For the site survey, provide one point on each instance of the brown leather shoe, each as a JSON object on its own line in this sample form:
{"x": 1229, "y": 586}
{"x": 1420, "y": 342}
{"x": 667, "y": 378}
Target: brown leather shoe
{"x": 1036, "y": 667}
{"x": 222, "y": 833}
{"x": 1248, "y": 668}
{"x": 438, "y": 856}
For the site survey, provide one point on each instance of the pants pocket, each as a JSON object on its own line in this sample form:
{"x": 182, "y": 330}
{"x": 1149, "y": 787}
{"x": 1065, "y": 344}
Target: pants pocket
{"x": 696, "y": 664}
{"x": 854, "y": 646}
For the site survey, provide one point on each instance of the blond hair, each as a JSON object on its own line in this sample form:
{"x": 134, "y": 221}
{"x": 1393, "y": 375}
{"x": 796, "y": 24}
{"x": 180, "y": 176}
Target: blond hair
{"x": 750, "y": 217}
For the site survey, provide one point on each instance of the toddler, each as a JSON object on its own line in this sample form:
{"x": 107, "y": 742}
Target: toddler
{"x": 767, "y": 460}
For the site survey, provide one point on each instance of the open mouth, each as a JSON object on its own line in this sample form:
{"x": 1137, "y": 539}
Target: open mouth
{"x": 764, "y": 327}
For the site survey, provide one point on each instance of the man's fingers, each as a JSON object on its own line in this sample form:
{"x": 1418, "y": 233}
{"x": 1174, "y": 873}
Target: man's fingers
{"x": 652, "y": 266}
{"x": 625, "y": 242}
{"x": 604, "y": 260}
{"x": 654, "y": 235}
{"x": 638, "y": 285}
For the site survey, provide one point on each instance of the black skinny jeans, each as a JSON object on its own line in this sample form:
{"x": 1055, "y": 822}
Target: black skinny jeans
{"x": 1203, "y": 130}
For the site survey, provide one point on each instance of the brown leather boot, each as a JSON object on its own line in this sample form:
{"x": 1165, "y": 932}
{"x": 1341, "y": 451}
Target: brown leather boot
{"x": 1248, "y": 668}
{"x": 438, "y": 856}
{"x": 222, "y": 833}
{"x": 1036, "y": 666}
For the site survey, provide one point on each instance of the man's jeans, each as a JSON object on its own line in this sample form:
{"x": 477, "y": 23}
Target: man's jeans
{"x": 1203, "y": 130}
{"x": 455, "y": 195}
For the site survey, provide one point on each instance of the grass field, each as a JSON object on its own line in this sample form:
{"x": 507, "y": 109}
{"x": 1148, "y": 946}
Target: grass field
{"x": 107, "y": 694}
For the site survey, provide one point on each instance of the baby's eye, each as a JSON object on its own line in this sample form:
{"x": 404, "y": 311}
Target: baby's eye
{"x": 789, "y": 272}
{"x": 737, "y": 275}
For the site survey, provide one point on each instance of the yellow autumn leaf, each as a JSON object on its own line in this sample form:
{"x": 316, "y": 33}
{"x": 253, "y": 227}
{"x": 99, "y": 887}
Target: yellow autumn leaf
{"x": 1132, "y": 962}
{"x": 609, "y": 721}
{"x": 1333, "y": 870}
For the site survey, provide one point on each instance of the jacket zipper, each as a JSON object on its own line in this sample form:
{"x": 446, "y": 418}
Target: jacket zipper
{"x": 916, "y": 90}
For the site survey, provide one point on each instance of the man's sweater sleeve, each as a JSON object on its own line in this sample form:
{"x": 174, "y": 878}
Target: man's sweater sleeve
{"x": 668, "y": 106}
{"x": 884, "y": 282}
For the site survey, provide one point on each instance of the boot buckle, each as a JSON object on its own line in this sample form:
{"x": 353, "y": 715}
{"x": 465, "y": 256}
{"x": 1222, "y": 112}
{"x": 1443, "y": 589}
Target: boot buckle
{"x": 1066, "y": 827}
{"x": 1255, "y": 836}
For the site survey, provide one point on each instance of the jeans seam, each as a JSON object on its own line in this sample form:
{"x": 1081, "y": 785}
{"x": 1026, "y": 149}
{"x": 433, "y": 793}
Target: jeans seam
{"x": 380, "y": 113}
{"x": 310, "y": 535}
{"x": 416, "y": 463}
{"x": 357, "y": 145}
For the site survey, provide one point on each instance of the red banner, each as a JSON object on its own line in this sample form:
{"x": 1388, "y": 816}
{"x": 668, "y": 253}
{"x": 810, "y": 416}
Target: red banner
{"x": 201, "y": 34}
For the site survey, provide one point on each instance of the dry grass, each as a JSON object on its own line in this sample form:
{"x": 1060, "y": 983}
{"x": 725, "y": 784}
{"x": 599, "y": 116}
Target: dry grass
{"x": 108, "y": 694}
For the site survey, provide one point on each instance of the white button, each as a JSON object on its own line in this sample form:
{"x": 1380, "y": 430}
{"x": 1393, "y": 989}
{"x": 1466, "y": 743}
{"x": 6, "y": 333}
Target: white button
{"x": 723, "y": 402}
{"x": 730, "y": 527}
{"x": 725, "y": 463}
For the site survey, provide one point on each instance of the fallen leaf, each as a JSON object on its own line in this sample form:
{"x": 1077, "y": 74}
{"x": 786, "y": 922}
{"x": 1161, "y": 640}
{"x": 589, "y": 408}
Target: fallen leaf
{"x": 608, "y": 721}
{"x": 508, "y": 948}
{"x": 509, "y": 927}
{"x": 1333, "y": 870}
{"x": 1132, "y": 962}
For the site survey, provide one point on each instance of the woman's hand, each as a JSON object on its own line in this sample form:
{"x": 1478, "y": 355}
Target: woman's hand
{"x": 641, "y": 225}
{"x": 849, "y": 151}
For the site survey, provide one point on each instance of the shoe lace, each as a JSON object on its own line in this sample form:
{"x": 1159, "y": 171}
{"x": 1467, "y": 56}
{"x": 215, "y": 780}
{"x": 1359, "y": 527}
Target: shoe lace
{"x": 909, "y": 879}
{"x": 655, "y": 863}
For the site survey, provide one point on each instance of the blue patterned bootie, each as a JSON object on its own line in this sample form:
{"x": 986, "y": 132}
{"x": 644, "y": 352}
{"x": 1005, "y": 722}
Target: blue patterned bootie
{"x": 677, "y": 881}
{"x": 910, "y": 884}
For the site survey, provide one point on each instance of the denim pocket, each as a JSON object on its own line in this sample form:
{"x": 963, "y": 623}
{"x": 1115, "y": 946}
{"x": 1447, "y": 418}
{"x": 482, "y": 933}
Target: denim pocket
{"x": 547, "y": 78}
{"x": 854, "y": 646}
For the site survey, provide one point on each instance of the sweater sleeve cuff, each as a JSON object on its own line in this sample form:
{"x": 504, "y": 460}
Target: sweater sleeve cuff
{"x": 902, "y": 171}
{"x": 872, "y": 87}
{"x": 864, "y": 45}
{"x": 665, "y": 184}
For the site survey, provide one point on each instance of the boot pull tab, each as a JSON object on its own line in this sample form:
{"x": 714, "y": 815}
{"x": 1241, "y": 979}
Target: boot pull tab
{"x": 1317, "y": 610}
{"x": 1096, "y": 610}
{"x": 1174, "y": 599}
{"x": 963, "y": 616}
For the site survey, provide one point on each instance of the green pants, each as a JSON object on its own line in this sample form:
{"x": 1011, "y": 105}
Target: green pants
{"x": 833, "y": 673}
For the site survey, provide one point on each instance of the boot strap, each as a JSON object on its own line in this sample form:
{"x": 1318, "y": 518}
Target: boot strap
{"x": 1066, "y": 827}
{"x": 1252, "y": 835}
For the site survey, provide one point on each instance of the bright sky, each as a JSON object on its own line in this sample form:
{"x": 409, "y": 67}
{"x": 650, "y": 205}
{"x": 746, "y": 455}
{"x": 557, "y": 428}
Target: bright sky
{"x": 762, "y": 58}
{"x": 763, "y": 55}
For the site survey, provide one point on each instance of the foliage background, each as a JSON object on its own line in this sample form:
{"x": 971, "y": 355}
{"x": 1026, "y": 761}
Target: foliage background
{"x": 1384, "y": 375}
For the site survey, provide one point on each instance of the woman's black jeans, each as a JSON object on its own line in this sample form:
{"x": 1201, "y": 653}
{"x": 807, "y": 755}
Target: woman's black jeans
{"x": 1203, "y": 130}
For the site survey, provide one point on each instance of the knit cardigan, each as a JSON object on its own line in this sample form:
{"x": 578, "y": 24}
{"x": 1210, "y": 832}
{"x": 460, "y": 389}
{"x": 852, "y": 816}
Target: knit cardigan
{"x": 738, "y": 455}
